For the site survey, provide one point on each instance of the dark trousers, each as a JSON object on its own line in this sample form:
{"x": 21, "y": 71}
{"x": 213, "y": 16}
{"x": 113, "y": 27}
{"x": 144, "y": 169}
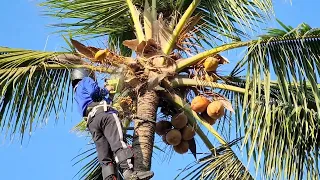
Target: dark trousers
{"x": 106, "y": 131}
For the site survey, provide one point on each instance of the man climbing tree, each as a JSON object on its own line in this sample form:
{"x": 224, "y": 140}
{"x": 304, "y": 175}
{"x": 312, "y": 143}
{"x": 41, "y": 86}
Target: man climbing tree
{"x": 104, "y": 125}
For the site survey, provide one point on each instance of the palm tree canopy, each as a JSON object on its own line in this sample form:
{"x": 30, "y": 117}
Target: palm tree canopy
{"x": 223, "y": 18}
{"x": 268, "y": 113}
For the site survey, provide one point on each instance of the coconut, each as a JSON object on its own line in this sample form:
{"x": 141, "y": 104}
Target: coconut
{"x": 182, "y": 147}
{"x": 211, "y": 64}
{"x": 215, "y": 110}
{"x": 179, "y": 121}
{"x": 199, "y": 103}
{"x": 100, "y": 55}
{"x": 207, "y": 118}
{"x": 173, "y": 137}
{"x": 187, "y": 133}
{"x": 162, "y": 127}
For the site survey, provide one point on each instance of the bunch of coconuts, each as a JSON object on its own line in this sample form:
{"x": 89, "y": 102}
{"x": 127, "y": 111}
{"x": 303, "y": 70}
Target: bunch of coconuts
{"x": 210, "y": 111}
{"x": 176, "y": 133}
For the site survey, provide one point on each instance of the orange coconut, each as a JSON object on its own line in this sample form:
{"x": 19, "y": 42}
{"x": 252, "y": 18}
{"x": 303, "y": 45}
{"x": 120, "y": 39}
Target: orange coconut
{"x": 199, "y": 103}
{"x": 215, "y": 110}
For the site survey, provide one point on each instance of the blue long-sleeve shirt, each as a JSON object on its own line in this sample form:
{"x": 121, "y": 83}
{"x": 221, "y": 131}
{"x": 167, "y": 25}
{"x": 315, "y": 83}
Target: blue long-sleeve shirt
{"x": 87, "y": 92}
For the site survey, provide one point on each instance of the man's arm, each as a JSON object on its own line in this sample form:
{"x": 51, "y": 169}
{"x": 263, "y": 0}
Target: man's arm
{"x": 92, "y": 87}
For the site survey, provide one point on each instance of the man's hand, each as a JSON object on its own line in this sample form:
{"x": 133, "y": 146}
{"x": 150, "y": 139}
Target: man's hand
{"x": 109, "y": 88}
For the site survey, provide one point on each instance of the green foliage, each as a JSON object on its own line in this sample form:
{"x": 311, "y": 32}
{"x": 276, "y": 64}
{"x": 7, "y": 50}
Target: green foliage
{"x": 29, "y": 89}
{"x": 221, "y": 19}
{"x": 221, "y": 165}
{"x": 280, "y": 118}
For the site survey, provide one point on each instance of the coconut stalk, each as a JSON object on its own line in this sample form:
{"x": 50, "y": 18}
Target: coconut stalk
{"x": 194, "y": 59}
{"x": 154, "y": 9}
{"x": 177, "y": 30}
{"x": 136, "y": 21}
{"x": 177, "y": 82}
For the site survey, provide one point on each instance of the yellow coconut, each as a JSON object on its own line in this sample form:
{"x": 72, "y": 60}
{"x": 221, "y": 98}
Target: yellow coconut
{"x": 162, "y": 127}
{"x": 179, "y": 121}
{"x": 182, "y": 148}
{"x": 187, "y": 133}
{"x": 199, "y": 103}
{"x": 215, "y": 110}
{"x": 173, "y": 137}
{"x": 100, "y": 55}
{"x": 211, "y": 64}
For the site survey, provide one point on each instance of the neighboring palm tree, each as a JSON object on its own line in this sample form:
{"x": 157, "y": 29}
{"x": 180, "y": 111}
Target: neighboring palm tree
{"x": 170, "y": 66}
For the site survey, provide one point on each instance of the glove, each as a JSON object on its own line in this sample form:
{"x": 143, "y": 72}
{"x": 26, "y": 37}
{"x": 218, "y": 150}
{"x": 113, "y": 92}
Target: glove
{"x": 98, "y": 95}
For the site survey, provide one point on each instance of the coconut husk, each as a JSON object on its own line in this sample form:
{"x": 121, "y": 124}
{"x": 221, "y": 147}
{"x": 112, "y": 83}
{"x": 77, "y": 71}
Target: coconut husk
{"x": 182, "y": 147}
{"x": 199, "y": 104}
{"x": 82, "y": 49}
{"x": 162, "y": 127}
{"x": 215, "y": 109}
{"x": 187, "y": 133}
{"x": 179, "y": 121}
{"x": 173, "y": 137}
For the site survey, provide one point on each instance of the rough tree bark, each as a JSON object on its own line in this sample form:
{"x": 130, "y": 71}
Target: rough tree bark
{"x": 144, "y": 130}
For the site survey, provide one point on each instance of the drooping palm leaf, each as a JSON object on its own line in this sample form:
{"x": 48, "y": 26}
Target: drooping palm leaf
{"x": 217, "y": 166}
{"x": 280, "y": 118}
{"x": 33, "y": 84}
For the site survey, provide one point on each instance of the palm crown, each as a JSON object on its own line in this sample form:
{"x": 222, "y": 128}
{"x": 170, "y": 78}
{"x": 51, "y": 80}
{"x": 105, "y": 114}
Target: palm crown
{"x": 171, "y": 49}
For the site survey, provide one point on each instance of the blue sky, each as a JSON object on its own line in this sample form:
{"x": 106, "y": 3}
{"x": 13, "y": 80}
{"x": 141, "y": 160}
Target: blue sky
{"x": 48, "y": 154}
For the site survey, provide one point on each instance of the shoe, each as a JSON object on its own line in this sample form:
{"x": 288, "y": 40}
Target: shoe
{"x": 137, "y": 175}
{"x": 111, "y": 177}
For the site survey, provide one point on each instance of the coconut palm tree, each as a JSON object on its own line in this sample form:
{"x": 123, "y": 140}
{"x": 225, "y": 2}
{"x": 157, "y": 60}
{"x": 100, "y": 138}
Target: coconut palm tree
{"x": 166, "y": 56}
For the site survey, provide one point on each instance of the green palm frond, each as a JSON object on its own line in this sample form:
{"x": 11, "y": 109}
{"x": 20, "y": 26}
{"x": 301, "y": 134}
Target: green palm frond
{"x": 92, "y": 17}
{"x": 96, "y": 18}
{"x": 221, "y": 165}
{"x": 280, "y": 118}
{"x": 233, "y": 17}
{"x": 33, "y": 84}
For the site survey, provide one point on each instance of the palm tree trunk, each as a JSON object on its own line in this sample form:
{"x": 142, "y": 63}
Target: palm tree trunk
{"x": 144, "y": 130}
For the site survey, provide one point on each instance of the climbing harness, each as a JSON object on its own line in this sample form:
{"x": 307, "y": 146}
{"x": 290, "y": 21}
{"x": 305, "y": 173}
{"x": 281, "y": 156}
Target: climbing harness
{"x": 96, "y": 106}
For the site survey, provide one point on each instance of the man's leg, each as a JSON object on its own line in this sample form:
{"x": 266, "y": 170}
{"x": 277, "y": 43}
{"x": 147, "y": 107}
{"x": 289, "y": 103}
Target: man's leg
{"x": 103, "y": 150}
{"x": 123, "y": 155}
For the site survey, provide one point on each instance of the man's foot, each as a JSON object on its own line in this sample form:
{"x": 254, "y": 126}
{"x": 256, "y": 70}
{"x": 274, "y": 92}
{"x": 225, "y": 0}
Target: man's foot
{"x": 137, "y": 175}
{"x": 111, "y": 177}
